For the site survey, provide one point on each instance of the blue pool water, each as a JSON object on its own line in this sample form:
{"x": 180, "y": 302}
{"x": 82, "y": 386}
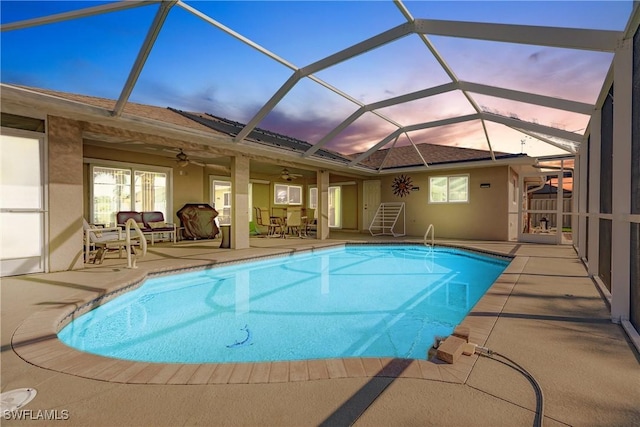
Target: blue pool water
{"x": 355, "y": 301}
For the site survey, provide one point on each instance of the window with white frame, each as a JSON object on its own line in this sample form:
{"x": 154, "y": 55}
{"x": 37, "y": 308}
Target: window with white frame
{"x": 151, "y": 191}
{"x": 449, "y": 189}
{"x": 313, "y": 198}
{"x": 287, "y": 194}
{"x": 335, "y": 204}
{"x": 221, "y": 200}
{"x": 119, "y": 187}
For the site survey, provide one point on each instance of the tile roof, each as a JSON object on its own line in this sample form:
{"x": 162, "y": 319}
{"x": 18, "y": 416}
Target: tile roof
{"x": 198, "y": 121}
{"x": 433, "y": 154}
{"x": 141, "y": 110}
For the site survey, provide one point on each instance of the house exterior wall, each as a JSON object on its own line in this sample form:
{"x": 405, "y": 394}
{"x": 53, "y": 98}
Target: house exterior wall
{"x": 261, "y": 200}
{"x": 350, "y": 207}
{"x": 484, "y": 217}
{"x": 65, "y": 191}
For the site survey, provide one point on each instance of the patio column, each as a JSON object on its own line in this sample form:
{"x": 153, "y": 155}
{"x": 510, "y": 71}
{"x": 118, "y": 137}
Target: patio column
{"x": 65, "y": 194}
{"x": 240, "y": 206}
{"x": 323, "y": 205}
{"x": 621, "y": 179}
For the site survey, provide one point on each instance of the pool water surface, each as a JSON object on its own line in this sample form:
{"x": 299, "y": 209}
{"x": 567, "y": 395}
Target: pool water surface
{"x": 353, "y": 301}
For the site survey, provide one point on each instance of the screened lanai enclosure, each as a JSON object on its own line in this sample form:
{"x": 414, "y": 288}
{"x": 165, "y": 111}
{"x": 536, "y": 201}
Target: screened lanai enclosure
{"x": 380, "y": 74}
{"x": 362, "y": 91}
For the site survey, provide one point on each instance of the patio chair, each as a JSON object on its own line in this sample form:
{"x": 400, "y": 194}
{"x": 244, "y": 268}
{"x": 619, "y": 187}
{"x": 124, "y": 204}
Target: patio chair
{"x": 260, "y": 221}
{"x": 258, "y": 218}
{"x": 275, "y": 228}
{"x": 294, "y": 222}
{"x": 132, "y": 244}
{"x": 311, "y": 224}
{"x": 95, "y": 235}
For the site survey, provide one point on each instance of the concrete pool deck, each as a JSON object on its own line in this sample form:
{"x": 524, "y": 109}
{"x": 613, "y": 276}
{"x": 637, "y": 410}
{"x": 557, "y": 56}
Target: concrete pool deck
{"x": 545, "y": 313}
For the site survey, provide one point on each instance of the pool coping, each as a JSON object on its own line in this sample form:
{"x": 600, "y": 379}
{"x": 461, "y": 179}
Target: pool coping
{"x": 36, "y": 342}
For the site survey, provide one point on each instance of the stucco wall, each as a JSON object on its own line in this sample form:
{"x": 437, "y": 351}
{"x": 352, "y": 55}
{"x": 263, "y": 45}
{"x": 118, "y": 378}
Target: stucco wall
{"x": 261, "y": 194}
{"x": 350, "y": 209}
{"x": 65, "y": 194}
{"x": 484, "y": 217}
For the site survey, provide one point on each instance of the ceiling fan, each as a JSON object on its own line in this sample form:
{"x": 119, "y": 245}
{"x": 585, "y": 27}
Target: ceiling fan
{"x": 182, "y": 159}
{"x": 287, "y": 176}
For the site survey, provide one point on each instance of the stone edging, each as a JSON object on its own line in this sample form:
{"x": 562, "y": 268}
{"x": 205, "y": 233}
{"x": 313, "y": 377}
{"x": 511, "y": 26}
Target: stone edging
{"x": 36, "y": 342}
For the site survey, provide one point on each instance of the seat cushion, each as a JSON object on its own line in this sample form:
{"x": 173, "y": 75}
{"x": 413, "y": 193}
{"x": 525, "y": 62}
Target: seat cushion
{"x": 160, "y": 225}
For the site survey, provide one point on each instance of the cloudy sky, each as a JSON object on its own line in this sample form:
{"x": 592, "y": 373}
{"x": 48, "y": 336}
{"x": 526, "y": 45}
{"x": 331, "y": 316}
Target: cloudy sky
{"x": 195, "y": 66}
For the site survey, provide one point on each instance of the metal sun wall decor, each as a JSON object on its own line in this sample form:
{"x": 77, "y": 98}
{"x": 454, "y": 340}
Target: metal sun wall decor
{"x": 402, "y": 185}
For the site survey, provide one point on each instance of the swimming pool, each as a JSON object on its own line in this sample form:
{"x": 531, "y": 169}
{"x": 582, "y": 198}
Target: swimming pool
{"x": 353, "y": 301}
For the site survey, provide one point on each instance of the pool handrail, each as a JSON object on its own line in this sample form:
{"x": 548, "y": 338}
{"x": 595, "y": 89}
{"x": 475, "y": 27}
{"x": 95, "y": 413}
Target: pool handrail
{"x": 131, "y": 260}
{"x": 433, "y": 235}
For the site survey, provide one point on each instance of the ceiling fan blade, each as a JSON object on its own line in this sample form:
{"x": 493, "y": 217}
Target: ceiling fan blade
{"x": 218, "y": 168}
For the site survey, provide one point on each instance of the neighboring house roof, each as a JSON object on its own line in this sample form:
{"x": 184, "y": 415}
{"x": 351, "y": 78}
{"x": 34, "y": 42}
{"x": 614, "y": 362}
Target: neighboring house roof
{"x": 433, "y": 154}
{"x": 550, "y": 189}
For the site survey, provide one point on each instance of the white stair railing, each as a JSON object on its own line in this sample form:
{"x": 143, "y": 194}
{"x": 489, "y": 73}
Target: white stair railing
{"x": 386, "y": 219}
{"x": 433, "y": 235}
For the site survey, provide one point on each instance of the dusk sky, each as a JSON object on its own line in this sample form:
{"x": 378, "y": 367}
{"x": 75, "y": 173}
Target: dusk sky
{"x": 197, "y": 67}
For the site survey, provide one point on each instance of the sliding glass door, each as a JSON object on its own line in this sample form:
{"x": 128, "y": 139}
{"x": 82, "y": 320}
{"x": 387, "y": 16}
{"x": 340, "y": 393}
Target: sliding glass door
{"x": 125, "y": 187}
{"x": 22, "y": 205}
{"x": 221, "y": 195}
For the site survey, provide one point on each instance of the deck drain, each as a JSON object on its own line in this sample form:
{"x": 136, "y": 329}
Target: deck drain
{"x": 16, "y": 399}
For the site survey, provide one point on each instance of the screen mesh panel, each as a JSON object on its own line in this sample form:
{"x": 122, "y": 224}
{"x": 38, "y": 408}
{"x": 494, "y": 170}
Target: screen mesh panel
{"x": 606, "y": 154}
{"x": 604, "y": 264}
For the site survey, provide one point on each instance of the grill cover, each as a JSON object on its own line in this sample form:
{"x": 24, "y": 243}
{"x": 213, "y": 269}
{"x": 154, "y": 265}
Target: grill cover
{"x": 197, "y": 220}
